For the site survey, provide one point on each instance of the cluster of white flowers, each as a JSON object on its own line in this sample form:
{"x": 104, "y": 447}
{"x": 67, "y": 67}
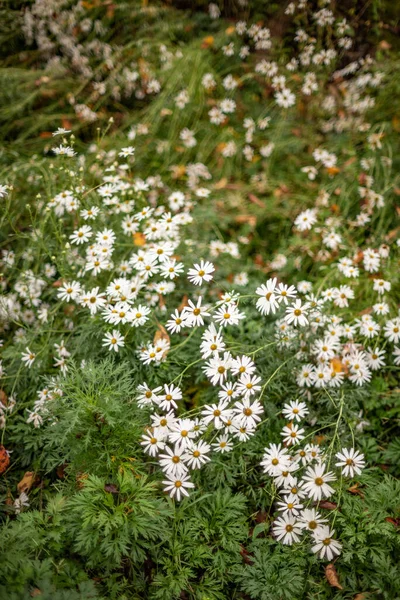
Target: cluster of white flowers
{"x": 301, "y": 475}
{"x": 184, "y": 443}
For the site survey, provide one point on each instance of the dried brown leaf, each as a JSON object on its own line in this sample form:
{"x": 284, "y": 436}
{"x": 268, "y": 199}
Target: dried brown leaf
{"x": 332, "y": 576}
{"x": 26, "y": 482}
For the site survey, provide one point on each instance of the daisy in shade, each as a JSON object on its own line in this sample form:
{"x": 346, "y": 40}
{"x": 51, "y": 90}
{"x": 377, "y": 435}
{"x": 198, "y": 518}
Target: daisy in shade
{"x": 194, "y": 313}
{"x": 28, "y": 357}
{"x": 69, "y": 291}
{"x": 176, "y": 322}
{"x": 152, "y": 443}
{"x": 182, "y": 433}
{"x": 162, "y": 424}
{"x": 247, "y": 412}
{"x": 93, "y": 300}
{"x": 81, "y": 235}
{"x": 172, "y": 461}
{"x": 222, "y": 444}
{"x": 292, "y": 434}
{"x": 197, "y": 454}
{"x": 295, "y": 410}
{"x": 201, "y": 272}
{"x": 228, "y": 314}
{"x": 248, "y": 385}
{"x": 316, "y": 482}
{"x": 147, "y": 396}
{"x": 177, "y": 486}
{"x": 212, "y": 342}
{"x": 311, "y": 520}
{"x": 243, "y": 364}
{"x": 139, "y": 315}
{"x": 285, "y": 477}
{"x": 351, "y": 461}
{"x": 325, "y": 545}
{"x": 297, "y": 314}
{"x": 268, "y": 302}
{"x": 217, "y": 368}
{"x": 275, "y": 459}
{"x": 375, "y": 358}
{"x": 114, "y": 340}
{"x": 217, "y": 413}
{"x": 169, "y": 399}
{"x": 228, "y": 391}
{"x": 296, "y": 489}
{"x": 284, "y": 293}
{"x": 290, "y": 505}
{"x": 287, "y": 529}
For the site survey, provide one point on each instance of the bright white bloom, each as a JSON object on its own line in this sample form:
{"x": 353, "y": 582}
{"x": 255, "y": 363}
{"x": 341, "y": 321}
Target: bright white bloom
{"x": 201, "y": 272}
{"x": 287, "y": 529}
{"x": 177, "y": 486}
{"x": 316, "y": 482}
{"x": 325, "y": 545}
{"x": 114, "y": 340}
{"x": 297, "y": 313}
{"x": 28, "y": 357}
{"x": 351, "y": 460}
{"x": 295, "y": 410}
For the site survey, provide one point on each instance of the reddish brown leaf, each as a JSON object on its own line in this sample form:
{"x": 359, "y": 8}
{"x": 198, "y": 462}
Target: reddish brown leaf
{"x": 4, "y": 460}
{"x": 111, "y": 488}
{"x": 354, "y": 490}
{"x": 328, "y": 505}
{"x": 253, "y": 198}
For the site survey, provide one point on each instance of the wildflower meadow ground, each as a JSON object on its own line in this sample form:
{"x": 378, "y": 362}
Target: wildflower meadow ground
{"x": 199, "y": 307}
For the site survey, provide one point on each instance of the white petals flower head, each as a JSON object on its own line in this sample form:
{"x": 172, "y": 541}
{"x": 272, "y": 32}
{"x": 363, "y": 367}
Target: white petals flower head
{"x": 325, "y": 545}
{"x": 201, "y": 272}
{"x": 228, "y": 314}
{"x": 243, "y": 364}
{"x": 147, "y": 396}
{"x": 268, "y": 303}
{"x": 316, "y": 482}
{"x": 247, "y": 412}
{"x": 69, "y": 291}
{"x": 177, "y": 486}
{"x": 28, "y": 357}
{"x": 292, "y": 435}
{"x": 114, "y": 340}
{"x": 222, "y": 444}
{"x": 176, "y": 322}
{"x": 216, "y": 413}
{"x": 290, "y": 505}
{"x": 305, "y": 220}
{"x": 194, "y": 313}
{"x": 61, "y": 131}
{"x": 311, "y": 520}
{"x": 172, "y": 462}
{"x": 217, "y": 368}
{"x": 297, "y": 313}
{"x": 275, "y": 460}
{"x": 152, "y": 443}
{"x": 295, "y": 410}
{"x": 81, "y": 235}
{"x": 197, "y": 454}
{"x": 182, "y": 433}
{"x": 128, "y": 151}
{"x": 171, "y": 396}
{"x": 248, "y": 385}
{"x": 287, "y": 529}
{"x": 351, "y": 461}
